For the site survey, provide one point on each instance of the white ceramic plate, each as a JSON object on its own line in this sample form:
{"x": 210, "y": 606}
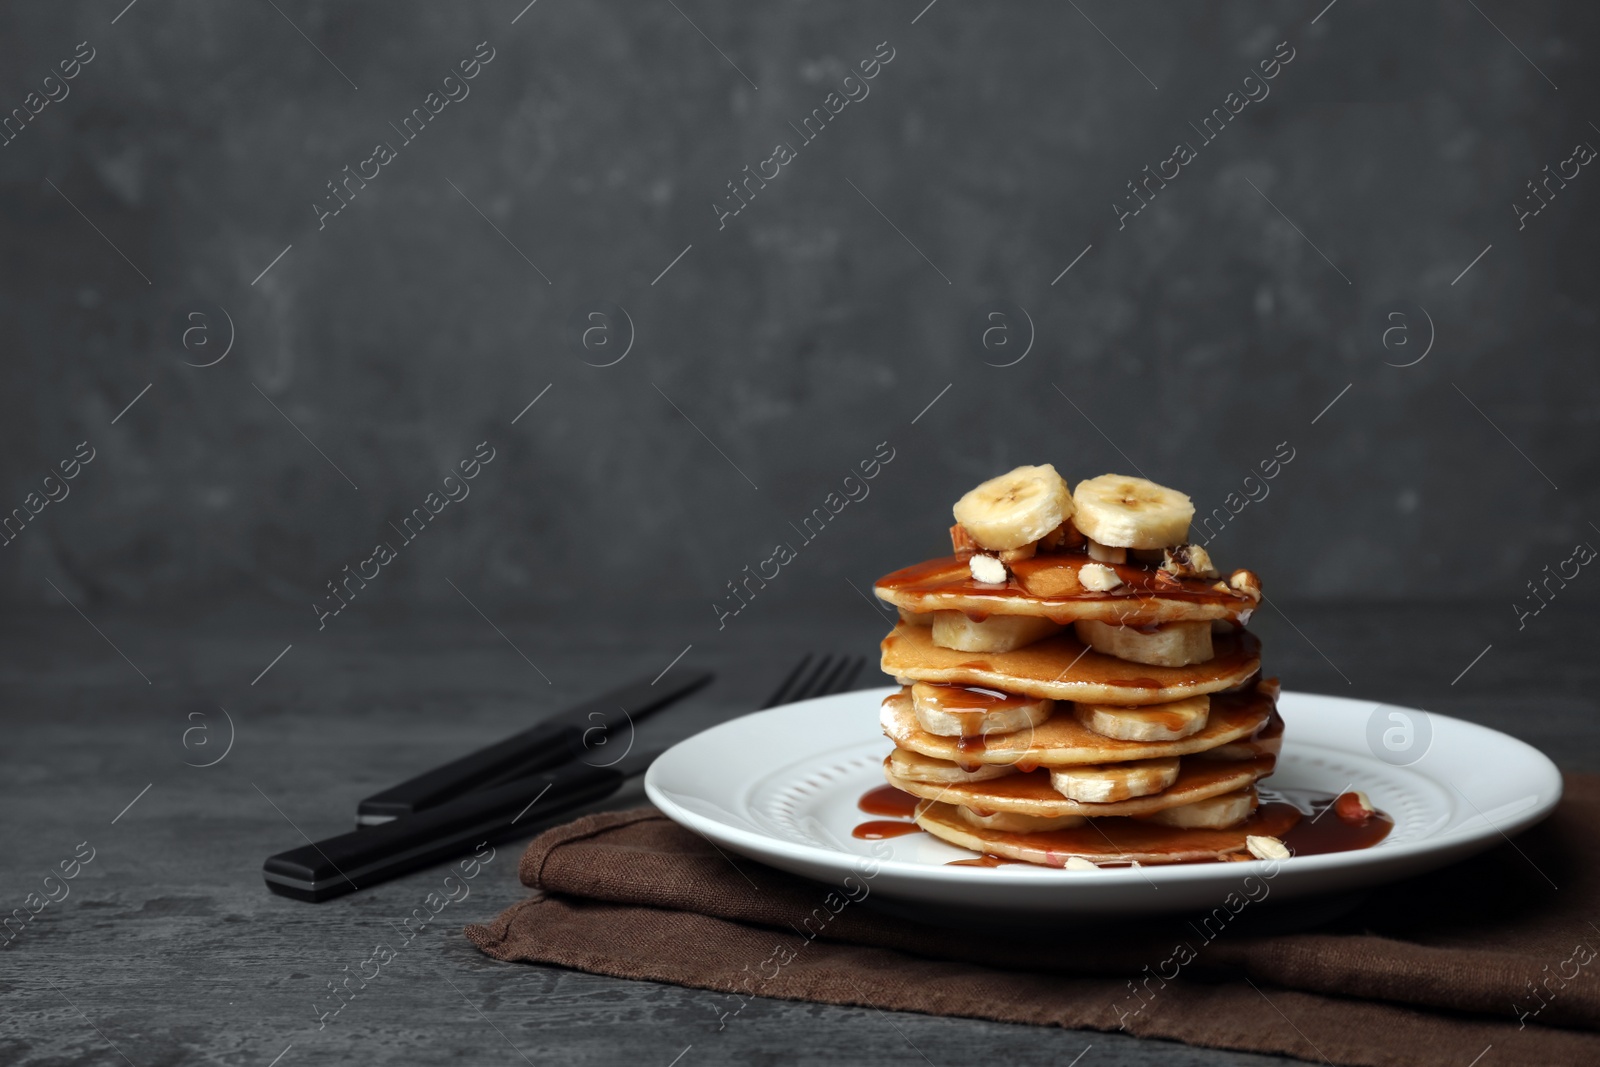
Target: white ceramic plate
{"x": 781, "y": 787}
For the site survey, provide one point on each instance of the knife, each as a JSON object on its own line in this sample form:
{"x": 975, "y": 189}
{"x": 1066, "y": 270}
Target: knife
{"x": 582, "y": 733}
{"x": 363, "y": 858}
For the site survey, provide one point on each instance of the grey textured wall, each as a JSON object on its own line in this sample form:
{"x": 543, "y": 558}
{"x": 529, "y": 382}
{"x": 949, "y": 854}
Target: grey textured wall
{"x": 787, "y": 341}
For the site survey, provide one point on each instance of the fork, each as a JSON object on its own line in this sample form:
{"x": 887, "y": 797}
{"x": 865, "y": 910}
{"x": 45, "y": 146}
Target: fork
{"x": 829, "y": 674}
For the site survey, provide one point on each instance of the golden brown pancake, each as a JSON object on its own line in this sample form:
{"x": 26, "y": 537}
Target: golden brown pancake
{"x": 1061, "y": 740}
{"x": 916, "y": 767}
{"x": 1047, "y": 585}
{"x": 1063, "y": 668}
{"x": 1267, "y": 741}
{"x": 1115, "y": 840}
{"x": 1032, "y": 793}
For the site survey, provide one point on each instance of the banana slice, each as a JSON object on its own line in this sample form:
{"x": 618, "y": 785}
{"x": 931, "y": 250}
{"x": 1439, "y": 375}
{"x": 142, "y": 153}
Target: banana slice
{"x": 917, "y": 618}
{"x": 1267, "y": 741}
{"x": 1011, "y": 822}
{"x": 1126, "y": 512}
{"x": 1153, "y": 722}
{"x": 915, "y": 767}
{"x": 1016, "y": 508}
{"x": 1106, "y": 554}
{"x": 1108, "y": 782}
{"x": 1173, "y": 644}
{"x": 997, "y": 633}
{"x": 1212, "y": 813}
{"x": 970, "y": 711}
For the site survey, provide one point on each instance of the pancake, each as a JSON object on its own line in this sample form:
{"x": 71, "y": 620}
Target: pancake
{"x": 1063, "y": 668}
{"x": 915, "y": 767}
{"x": 1047, "y": 585}
{"x": 1032, "y": 793}
{"x": 1107, "y": 840}
{"x": 1267, "y": 741}
{"x": 1061, "y": 740}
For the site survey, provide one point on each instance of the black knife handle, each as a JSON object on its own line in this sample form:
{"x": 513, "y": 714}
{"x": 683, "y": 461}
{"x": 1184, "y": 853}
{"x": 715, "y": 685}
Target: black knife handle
{"x": 549, "y": 744}
{"x": 338, "y": 865}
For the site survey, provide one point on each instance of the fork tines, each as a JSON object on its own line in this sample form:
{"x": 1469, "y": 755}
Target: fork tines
{"x": 828, "y": 674}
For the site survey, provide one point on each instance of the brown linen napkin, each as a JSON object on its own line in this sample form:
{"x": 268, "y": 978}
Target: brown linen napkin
{"x": 1495, "y": 951}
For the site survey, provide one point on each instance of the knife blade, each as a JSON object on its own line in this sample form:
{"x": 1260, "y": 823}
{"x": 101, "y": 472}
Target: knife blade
{"x": 580, "y": 732}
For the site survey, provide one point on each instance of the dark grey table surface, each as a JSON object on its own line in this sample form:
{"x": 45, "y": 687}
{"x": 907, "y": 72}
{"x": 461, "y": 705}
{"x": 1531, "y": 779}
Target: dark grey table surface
{"x": 169, "y": 950}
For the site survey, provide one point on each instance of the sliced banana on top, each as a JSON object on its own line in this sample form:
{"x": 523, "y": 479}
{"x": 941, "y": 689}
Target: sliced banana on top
{"x": 1212, "y": 813}
{"x": 1106, "y": 783}
{"x": 1016, "y": 508}
{"x": 1011, "y": 822}
{"x": 1171, "y": 721}
{"x": 997, "y": 633}
{"x": 915, "y": 767}
{"x": 1126, "y": 512}
{"x": 1173, "y": 644}
{"x": 971, "y": 711}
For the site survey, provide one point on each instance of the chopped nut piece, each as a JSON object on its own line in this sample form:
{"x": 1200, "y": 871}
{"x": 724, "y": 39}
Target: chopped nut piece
{"x": 1078, "y": 863}
{"x": 1011, "y": 555}
{"x": 1245, "y": 582}
{"x": 1354, "y": 808}
{"x": 987, "y": 569}
{"x": 1097, "y": 577}
{"x": 1061, "y": 538}
{"x": 961, "y": 541}
{"x": 1188, "y": 561}
{"x": 1107, "y": 554}
{"x": 1266, "y": 848}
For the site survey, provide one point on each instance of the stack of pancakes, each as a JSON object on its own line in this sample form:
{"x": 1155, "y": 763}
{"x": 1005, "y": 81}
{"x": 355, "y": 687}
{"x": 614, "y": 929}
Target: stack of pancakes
{"x": 1078, "y": 685}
